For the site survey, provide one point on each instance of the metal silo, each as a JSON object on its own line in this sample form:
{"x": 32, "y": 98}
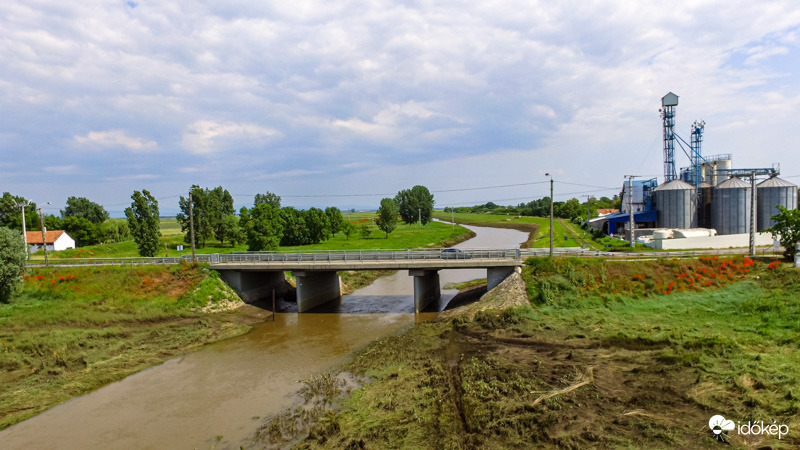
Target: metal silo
{"x": 676, "y": 205}
{"x": 771, "y": 193}
{"x": 730, "y": 207}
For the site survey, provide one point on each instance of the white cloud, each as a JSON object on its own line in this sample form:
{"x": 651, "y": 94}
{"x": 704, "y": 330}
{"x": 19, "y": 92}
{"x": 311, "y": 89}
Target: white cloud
{"x": 117, "y": 138}
{"x": 206, "y": 136}
{"x": 62, "y": 170}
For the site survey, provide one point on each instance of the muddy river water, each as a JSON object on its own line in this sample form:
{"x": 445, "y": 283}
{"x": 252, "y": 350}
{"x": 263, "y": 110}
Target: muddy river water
{"x": 218, "y": 396}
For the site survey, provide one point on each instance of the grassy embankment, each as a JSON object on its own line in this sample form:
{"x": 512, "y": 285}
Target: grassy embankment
{"x": 610, "y": 354}
{"x": 72, "y": 330}
{"x": 538, "y": 228}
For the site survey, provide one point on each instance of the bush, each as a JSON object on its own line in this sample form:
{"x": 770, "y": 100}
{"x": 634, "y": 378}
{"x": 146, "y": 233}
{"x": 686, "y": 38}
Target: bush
{"x": 12, "y": 262}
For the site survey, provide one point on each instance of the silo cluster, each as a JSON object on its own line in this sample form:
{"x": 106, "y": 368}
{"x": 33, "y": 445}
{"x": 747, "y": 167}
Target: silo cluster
{"x": 724, "y": 207}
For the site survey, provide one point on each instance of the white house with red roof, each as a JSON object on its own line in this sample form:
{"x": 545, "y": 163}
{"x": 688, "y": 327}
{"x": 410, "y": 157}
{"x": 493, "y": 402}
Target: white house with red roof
{"x": 56, "y": 240}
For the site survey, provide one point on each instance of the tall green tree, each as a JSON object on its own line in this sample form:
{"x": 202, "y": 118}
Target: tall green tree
{"x": 209, "y": 207}
{"x": 415, "y": 204}
{"x": 269, "y": 198}
{"x": 387, "y": 216}
{"x": 144, "y": 223}
{"x": 318, "y": 225}
{"x": 82, "y": 207}
{"x": 264, "y": 228}
{"x": 295, "y": 231}
{"x": 82, "y": 230}
{"x": 230, "y": 230}
{"x": 786, "y": 229}
{"x": 12, "y": 262}
{"x": 336, "y": 219}
{"x": 11, "y": 214}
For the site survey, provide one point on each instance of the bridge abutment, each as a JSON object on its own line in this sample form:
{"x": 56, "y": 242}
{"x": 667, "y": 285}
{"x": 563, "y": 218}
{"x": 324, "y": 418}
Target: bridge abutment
{"x": 253, "y": 285}
{"x": 315, "y": 288}
{"x": 496, "y": 275}
{"x": 426, "y": 287}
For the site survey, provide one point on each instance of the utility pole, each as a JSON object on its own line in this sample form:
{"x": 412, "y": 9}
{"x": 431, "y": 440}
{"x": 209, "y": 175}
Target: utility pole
{"x": 752, "y": 214}
{"x": 44, "y": 232}
{"x": 453, "y": 217}
{"x": 551, "y": 213}
{"x": 588, "y": 209}
{"x": 22, "y": 206}
{"x": 631, "y": 234}
{"x": 420, "y": 216}
{"x": 191, "y": 226}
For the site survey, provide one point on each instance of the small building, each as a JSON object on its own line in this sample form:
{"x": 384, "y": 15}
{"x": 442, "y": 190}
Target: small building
{"x": 56, "y": 240}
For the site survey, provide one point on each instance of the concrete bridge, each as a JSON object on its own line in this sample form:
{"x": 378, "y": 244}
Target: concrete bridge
{"x": 254, "y": 275}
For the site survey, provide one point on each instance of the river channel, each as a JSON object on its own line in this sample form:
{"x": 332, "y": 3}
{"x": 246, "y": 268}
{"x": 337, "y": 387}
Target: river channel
{"x": 218, "y": 396}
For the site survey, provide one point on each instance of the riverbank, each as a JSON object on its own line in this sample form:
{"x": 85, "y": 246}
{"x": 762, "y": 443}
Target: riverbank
{"x": 70, "y": 331}
{"x": 605, "y": 354}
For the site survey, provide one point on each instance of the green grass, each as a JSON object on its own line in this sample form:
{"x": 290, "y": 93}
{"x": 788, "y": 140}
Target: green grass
{"x": 69, "y": 331}
{"x": 433, "y": 234}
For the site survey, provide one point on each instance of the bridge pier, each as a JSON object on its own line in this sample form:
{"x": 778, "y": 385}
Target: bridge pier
{"x": 496, "y": 275}
{"x": 252, "y": 285}
{"x": 315, "y": 288}
{"x": 426, "y": 287}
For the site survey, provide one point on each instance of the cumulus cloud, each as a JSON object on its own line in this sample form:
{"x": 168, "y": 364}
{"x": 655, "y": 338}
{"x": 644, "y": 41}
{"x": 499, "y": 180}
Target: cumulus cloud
{"x": 117, "y": 138}
{"x": 207, "y": 136}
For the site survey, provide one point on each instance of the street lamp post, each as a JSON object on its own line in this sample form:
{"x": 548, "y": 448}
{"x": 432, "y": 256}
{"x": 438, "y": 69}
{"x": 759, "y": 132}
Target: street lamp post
{"x": 551, "y": 213}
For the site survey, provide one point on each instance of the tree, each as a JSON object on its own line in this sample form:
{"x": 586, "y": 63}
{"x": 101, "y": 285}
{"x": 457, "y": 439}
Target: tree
{"x": 11, "y": 214}
{"x": 295, "y": 231}
{"x": 336, "y": 219}
{"x": 570, "y": 209}
{"x": 115, "y": 230}
{"x": 268, "y": 198}
{"x": 12, "y": 262}
{"x": 318, "y": 225}
{"x": 229, "y": 229}
{"x": 265, "y": 228}
{"x": 209, "y": 206}
{"x": 387, "y": 216}
{"x": 81, "y": 207}
{"x": 365, "y": 231}
{"x": 52, "y": 222}
{"x": 787, "y": 229}
{"x": 82, "y": 230}
{"x": 415, "y": 204}
{"x": 144, "y": 223}
{"x": 348, "y": 228}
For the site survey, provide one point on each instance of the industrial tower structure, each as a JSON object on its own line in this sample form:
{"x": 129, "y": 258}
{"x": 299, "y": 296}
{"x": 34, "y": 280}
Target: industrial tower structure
{"x": 668, "y": 104}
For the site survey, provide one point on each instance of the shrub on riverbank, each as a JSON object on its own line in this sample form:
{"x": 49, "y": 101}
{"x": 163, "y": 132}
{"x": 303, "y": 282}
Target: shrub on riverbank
{"x": 71, "y": 330}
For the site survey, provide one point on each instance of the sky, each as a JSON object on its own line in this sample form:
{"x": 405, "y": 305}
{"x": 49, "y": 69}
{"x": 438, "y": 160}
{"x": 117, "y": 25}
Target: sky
{"x": 344, "y": 103}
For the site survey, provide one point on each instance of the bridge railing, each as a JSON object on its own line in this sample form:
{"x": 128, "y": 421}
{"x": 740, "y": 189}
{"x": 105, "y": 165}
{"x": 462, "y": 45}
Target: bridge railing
{"x": 368, "y": 255}
{"x": 378, "y": 255}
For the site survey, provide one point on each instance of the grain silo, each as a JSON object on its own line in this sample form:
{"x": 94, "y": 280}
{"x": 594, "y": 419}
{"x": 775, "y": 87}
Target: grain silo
{"x": 676, "y": 205}
{"x": 770, "y": 194}
{"x": 730, "y": 207}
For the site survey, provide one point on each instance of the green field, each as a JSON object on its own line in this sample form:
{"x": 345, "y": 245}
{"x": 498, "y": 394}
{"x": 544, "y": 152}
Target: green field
{"x": 433, "y": 234}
